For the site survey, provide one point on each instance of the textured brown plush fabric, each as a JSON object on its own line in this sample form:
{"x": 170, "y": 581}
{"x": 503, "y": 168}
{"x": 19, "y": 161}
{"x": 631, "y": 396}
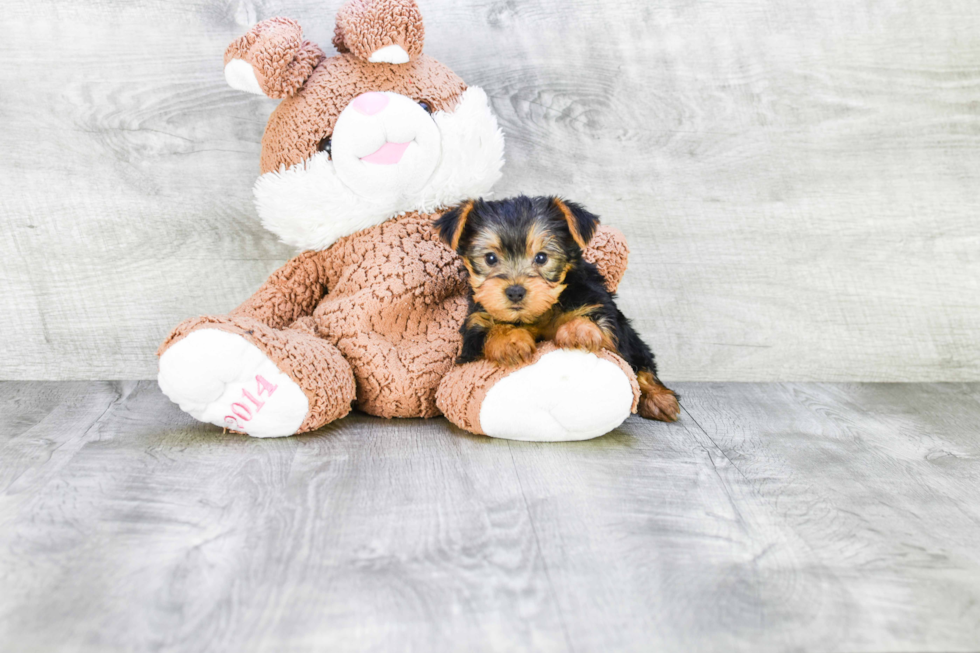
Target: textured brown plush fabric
{"x": 394, "y": 309}
{"x": 300, "y": 122}
{"x": 461, "y": 394}
{"x": 610, "y": 253}
{"x": 396, "y": 300}
{"x": 290, "y": 293}
{"x": 280, "y": 57}
{"x": 364, "y": 26}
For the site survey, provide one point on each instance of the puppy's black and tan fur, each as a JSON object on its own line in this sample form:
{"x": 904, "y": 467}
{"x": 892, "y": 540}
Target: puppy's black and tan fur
{"x": 529, "y": 282}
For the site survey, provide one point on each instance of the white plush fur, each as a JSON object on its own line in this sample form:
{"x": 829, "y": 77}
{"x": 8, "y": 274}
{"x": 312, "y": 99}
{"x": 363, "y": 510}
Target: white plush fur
{"x": 207, "y": 372}
{"x": 567, "y": 395}
{"x": 402, "y": 120}
{"x": 241, "y": 76}
{"x": 389, "y": 54}
{"x": 308, "y": 206}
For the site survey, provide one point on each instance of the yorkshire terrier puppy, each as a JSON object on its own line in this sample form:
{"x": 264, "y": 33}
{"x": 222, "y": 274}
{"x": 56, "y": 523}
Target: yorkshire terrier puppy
{"x": 529, "y": 282}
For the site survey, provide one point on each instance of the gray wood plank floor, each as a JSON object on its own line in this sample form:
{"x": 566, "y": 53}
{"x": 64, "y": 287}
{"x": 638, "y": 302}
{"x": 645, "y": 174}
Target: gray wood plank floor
{"x": 772, "y": 517}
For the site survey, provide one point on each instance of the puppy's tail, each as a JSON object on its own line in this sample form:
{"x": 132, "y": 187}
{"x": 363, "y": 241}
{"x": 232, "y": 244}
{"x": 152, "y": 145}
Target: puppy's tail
{"x": 657, "y": 401}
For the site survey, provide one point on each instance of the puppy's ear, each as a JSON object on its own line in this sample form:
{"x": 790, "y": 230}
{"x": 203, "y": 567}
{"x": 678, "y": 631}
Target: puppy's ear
{"x": 581, "y": 223}
{"x": 271, "y": 59}
{"x": 452, "y": 223}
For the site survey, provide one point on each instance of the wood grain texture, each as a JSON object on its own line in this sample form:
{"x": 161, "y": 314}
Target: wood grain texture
{"x": 871, "y": 481}
{"x": 158, "y": 533}
{"x": 772, "y": 517}
{"x": 797, "y": 182}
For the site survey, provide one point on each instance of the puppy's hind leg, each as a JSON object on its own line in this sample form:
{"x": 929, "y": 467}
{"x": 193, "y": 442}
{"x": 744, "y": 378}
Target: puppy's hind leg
{"x": 657, "y": 401}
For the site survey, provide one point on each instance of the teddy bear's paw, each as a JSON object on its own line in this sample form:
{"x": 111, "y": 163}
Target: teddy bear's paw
{"x": 566, "y": 395}
{"x": 223, "y": 379}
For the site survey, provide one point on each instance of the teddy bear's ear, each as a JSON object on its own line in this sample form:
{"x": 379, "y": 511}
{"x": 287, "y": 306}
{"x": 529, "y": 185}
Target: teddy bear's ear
{"x": 271, "y": 59}
{"x": 380, "y": 31}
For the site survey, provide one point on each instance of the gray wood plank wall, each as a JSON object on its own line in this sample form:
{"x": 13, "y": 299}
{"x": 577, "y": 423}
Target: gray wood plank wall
{"x": 798, "y": 181}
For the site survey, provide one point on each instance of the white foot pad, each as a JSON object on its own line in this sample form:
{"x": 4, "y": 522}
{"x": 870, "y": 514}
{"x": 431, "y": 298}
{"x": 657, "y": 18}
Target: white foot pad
{"x": 221, "y": 378}
{"x": 567, "y": 395}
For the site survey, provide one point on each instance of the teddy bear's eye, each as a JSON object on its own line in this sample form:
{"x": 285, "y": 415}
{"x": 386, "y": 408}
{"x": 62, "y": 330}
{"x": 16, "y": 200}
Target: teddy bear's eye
{"x": 324, "y": 145}
{"x": 425, "y": 105}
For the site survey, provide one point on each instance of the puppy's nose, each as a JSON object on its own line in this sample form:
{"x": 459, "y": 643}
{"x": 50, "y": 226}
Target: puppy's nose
{"x": 515, "y": 293}
{"x": 370, "y": 103}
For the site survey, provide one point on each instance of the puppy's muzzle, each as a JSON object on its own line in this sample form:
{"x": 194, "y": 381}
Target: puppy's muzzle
{"x": 515, "y": 293}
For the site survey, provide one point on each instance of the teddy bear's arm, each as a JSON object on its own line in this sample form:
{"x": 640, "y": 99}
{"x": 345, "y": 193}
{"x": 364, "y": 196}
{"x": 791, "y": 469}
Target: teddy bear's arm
{"x": 291, "y": 292}
{"x": 610, "y": 253}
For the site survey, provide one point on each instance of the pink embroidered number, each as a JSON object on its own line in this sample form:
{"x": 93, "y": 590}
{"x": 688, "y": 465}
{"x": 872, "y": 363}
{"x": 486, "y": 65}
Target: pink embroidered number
{"x": 241, "y": 411}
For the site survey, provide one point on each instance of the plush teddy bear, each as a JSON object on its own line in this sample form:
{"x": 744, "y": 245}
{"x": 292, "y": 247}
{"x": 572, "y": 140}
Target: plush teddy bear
{"x": 365, "y": 150}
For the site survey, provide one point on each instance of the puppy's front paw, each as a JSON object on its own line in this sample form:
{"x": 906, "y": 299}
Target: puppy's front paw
{"x": 580, "y": 333}
{"x": 509, "y": 346}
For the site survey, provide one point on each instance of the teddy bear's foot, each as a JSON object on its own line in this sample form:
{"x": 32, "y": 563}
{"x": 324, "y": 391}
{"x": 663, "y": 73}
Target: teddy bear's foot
{"x": 566, "y": 395}
{"x": 221, "y": 378}
{"x": 562, "y": 395}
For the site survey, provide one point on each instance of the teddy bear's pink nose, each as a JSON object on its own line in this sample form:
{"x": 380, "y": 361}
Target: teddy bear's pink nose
{"x": 370, "y": 103}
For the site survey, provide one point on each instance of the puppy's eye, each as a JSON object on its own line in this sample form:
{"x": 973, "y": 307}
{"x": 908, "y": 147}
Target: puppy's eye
{"x": 540, "y": 258}
{"x": 491, "y": 259}
{"x": 425, "y": 105}
{"x": 324, "y": 146}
